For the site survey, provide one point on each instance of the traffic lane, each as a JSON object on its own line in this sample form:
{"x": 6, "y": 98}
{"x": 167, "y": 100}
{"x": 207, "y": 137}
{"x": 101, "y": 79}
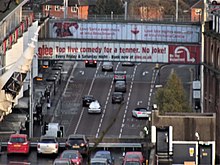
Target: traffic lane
{"x": 111, "y": 125}
{"x": 141, "y": 96}
{"x": 99, "y": 88}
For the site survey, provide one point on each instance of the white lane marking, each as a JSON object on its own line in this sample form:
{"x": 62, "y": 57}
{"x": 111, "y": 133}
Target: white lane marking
{"x": 81, "y": 114}
{"x": 106, "y": 102}
{"x": 126, "y": 107}
{"x": 19, "y": 163}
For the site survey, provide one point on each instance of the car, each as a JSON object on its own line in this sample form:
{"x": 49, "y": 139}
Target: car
{"x": 141, "y": 112}
{"x": 105, "y": 154}
{"x": 99, "y": 161}
{"x": 95, "y": 107}
{"x": 117, "y": 97}
{"x": 120, "y": 76}
{"x": 18, "y": 143}
{"x": 87, "y": 99}
{"x": 214, "y": 2}
{"x": 107, "y": 66}
{"x": 78, "y": 142}
{"x": 120, "y": 86}
{"x": 133, "y": 156}
{"x": 127, "y": 63}
{"x": 90, "y": 63}
{"x": 132, "y": 161}
{"x": 47, "y": 145}
{"x": 74, "y": 156}
{"x": 62, "y": 161}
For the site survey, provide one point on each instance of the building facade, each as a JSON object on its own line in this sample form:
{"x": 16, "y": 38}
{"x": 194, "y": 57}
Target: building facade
{"x": 211, "y": 100}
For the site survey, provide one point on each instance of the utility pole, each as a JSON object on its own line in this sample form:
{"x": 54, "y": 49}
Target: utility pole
{"x": 126, "y": 9}
{"x": 177, "y": 10}
{"x": 31, "y": 122}
{"x": 65, "y": 3}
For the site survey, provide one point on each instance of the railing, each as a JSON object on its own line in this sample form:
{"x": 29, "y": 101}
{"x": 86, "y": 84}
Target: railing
{"x": 129, "y": 18}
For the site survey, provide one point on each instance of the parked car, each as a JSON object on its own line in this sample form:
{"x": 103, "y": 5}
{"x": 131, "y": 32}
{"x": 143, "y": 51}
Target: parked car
{"x": 107, "y": 66}
{"x": 74, "y": 156}
{"x": 90, "y": 63}
{"x": 117, "y": 97}
{"x": 47, "y": 145}
{"x": 120, "y": 76}
{"x": 87, "y": 99}
{"x": 78, "y": 142}
{"x": 62, "y": 161}
{"x": 99, "y": 161}
{"x": 105, "y": 154}
{"x": 134, "y": 156}
{"x": 141, "y": 112}
{"x": 127, "y": 63}
{"x": 94, "y": 107}
{"x": 18, "y": 143}
{"x": 120, "y": 86}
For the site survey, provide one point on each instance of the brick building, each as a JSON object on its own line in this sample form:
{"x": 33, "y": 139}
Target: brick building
{"x": 76, "y": 9}
{"x": 211, "y": 100}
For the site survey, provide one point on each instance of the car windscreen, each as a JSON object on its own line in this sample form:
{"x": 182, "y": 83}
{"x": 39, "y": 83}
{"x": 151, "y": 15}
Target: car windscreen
{"x": 98, "y": 163}
{"x": 48, "y": 141}
{"x": 76, "y": 141}
{"x": 132, "y": 163}
{"x": 17, "y": 140}
{"x": 102, "y": 155}
{"x": 69, "y": 155}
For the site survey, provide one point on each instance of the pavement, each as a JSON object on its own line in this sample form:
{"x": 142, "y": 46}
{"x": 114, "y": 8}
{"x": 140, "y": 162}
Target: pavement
{"x": 13, "y": 122}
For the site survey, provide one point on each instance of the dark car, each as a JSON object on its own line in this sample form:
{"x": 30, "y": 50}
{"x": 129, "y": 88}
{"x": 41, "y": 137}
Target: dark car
{"x": 120, "y": 86}
{"x": 78, "y": 142}
{"x": 119, "y": 76}
{"x": 87, "y": 100}
{"x": 117, "y": 97}
{"x": 90, "y": 63}
{"x": 105, "y": 154}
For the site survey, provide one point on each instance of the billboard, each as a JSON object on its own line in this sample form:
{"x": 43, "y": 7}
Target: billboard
{"x": 116, "y": 51}
{"x": 125, "y": 31}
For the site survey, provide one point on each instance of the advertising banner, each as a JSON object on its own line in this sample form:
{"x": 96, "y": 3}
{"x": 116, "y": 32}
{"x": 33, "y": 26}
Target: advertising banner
{"x": 125, "y": 31}
{"x": 111, "y": 51}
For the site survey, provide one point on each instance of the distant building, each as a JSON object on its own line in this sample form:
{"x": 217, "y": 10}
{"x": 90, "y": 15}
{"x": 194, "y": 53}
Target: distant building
{"x": 211, "y": 98}
{"x": 151, "y": 12}
{"x": 76, "y": 9}
{"x": 196, "y": 11}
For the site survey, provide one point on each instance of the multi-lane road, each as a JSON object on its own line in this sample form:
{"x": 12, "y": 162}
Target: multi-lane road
{"x": 116, "y": 119}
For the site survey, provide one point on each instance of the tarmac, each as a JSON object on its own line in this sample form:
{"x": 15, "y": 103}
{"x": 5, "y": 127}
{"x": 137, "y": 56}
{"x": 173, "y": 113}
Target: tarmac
{"x": 46, "y": 93}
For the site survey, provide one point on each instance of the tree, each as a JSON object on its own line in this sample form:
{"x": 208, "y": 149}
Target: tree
{"x": 172, "y": 98}
{"x": 108, "y": 6}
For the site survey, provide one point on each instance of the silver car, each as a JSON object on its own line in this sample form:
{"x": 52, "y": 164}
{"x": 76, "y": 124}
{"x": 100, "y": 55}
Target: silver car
{"x": 107, "y": 66}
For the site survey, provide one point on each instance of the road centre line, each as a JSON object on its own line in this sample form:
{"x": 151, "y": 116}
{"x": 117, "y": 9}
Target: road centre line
{"x": 126, "y": 108}
{"x": 106, "y": 102}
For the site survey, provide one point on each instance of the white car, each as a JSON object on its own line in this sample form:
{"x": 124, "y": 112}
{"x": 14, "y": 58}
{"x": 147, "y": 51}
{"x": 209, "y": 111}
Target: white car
{"x": 47, "y": 145}
{"x": 141, "y": 113}
{"x": 94, "y": 107}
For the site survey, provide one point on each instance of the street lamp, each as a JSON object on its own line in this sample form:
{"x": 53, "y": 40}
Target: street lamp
{"x": 177, "y": 10}
{"x": 198, "y": 138}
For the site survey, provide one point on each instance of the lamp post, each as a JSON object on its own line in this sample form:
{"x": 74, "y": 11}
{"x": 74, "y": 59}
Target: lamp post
{"x": 198, "y": 138}
{"x": 177, "y": 10}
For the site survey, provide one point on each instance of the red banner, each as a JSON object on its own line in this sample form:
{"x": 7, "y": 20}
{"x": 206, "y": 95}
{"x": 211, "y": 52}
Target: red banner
{"x": 184, "y": 54}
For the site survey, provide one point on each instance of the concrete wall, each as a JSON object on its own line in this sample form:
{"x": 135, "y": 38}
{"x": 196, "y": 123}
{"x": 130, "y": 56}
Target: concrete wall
{"x": 186, "y": 124}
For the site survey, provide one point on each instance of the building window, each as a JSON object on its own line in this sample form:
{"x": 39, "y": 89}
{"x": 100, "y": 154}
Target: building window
{"x": 57, "y": 8}
{"x": 47, "y": 7}
{"x": 198, "y": 11}
{"x": 74, "y": 9}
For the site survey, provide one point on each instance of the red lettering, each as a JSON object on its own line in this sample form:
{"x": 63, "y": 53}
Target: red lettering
{"x": 44, "y": 50}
